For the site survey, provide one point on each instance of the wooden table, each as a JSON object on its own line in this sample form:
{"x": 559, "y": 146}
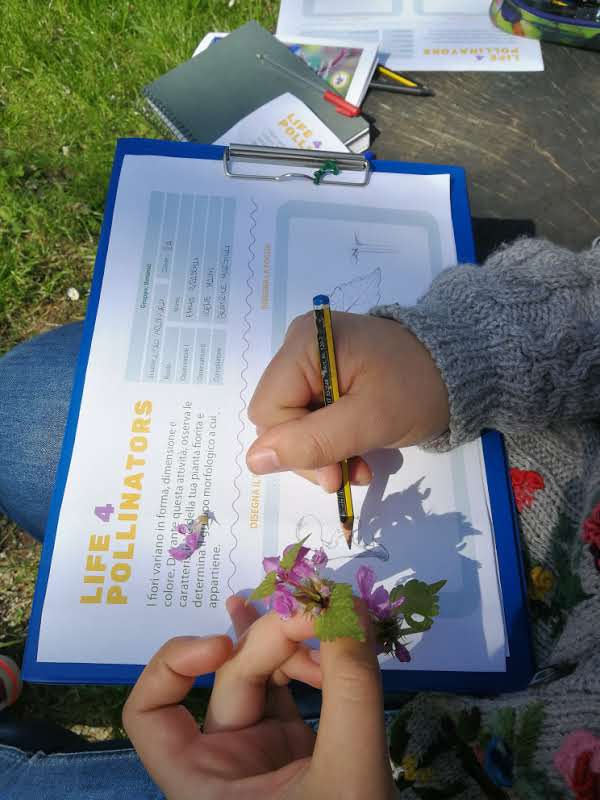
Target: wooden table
{"x": 530, "y": 143}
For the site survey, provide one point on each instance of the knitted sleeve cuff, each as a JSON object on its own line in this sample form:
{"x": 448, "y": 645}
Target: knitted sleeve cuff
{"x": 464, "y": 360}
{"x": 517, "y": 340}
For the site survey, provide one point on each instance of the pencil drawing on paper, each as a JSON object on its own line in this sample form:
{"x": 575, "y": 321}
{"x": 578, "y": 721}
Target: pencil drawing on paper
{"x": 357, "y": 295}
{"x": 311, "y": 525}
{"x": 362, "y": 248}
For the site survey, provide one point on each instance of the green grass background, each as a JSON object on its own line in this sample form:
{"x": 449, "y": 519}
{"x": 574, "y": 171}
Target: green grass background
{"x": 70, "y": 78}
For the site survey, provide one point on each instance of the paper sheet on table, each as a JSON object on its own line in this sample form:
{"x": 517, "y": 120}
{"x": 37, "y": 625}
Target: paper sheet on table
{"x": 283, "y": 122}
{"x": 449, "y": 35}
{"x": 203, "y": 274}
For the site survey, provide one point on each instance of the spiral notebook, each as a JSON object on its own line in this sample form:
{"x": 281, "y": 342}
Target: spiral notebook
{"x": 206, "y": 96}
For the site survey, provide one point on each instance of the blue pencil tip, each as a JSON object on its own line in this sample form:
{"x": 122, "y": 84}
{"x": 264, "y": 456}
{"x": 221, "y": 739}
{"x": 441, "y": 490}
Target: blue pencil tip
{"x": 321, "y": 300}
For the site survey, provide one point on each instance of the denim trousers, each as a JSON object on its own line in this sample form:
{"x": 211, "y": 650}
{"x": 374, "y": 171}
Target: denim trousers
{"x": 35, "y": 387}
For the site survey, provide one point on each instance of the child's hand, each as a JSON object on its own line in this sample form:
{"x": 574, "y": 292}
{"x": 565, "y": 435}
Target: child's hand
{"x": 393, "y": 396}
{"x": 254, "y": 744}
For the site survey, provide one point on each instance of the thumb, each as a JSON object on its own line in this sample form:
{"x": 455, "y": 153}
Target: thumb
{"x": 351, "y": 747}
{"x": 315, "y": 440}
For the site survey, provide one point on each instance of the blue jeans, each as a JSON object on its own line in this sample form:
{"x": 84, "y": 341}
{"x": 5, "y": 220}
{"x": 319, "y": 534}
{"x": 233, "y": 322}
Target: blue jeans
{"x": 35, "y": 388}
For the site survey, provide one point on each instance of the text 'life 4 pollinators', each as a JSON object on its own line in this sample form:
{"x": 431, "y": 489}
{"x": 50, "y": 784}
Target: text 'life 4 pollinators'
{"x": 294, "y": 584}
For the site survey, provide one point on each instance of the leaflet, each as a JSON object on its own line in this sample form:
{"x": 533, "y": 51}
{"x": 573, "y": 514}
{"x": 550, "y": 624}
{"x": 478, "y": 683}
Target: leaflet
{"x": 203, "y": 274}
{"x": 416, "y": 34}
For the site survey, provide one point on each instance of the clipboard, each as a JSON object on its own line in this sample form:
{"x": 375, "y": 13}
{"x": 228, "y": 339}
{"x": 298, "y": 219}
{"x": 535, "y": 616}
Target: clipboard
{"x": 355, "y": 171}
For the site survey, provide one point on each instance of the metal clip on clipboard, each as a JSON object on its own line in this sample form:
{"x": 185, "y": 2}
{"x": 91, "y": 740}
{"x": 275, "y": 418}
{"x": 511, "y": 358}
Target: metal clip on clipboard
{"x": 346, "y": 162}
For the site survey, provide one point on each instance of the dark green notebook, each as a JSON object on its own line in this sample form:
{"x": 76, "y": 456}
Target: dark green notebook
{"x": 204, "y": 97}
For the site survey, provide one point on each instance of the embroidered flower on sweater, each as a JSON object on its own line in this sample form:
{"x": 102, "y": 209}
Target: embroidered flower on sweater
{"x": 590, "y": 533}
{"x": 542, "y": 581}
{"x": 591, "y": 527}
{"x": 525, "y": 484}
{"x": 578, "y": 761}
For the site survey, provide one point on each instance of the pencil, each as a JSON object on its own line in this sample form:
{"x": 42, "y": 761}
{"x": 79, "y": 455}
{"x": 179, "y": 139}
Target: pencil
{"x": 395, "y": 76}
{"x": 331, "y": 393}
{"x": 417, "y": 91}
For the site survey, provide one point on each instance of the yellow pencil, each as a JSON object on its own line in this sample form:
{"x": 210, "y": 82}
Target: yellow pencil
{"x": 396, "y": 77}
{"x": 331, "y": 393}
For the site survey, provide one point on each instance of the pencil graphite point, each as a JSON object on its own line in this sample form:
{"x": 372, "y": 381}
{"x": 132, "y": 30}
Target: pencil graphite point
{"x": 347, "y": 526}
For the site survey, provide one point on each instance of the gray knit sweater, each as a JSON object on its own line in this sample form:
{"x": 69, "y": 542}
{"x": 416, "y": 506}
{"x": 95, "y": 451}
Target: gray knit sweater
{"x": 517, "y": 341}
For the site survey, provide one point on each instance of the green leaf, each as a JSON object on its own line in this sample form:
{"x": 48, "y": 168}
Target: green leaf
{"x": 530, "y": 727}
{"x": 435, "y": 587}
{"x": 469, "y": 723}
{"x": 340, "y": 618}
{"x": 287, "y": 562}
{"x": 420, "y": 599}
{"x": 502, "y": 724}
{"x": 534, "y": 785}
{"x": 265, "y": 588}
{"x": 569, "y": 591}
{"x": 396, "y": 592}
{"x": 562, "y": 538}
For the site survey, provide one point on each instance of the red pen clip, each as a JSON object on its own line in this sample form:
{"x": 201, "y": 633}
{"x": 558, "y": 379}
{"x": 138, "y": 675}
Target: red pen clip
{"x": 341, "y": 106}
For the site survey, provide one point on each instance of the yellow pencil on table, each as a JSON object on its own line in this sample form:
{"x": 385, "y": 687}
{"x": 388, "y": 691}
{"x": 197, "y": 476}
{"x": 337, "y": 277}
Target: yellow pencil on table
{"x": 396, "y": 77}
{"x": 331, "y": 393}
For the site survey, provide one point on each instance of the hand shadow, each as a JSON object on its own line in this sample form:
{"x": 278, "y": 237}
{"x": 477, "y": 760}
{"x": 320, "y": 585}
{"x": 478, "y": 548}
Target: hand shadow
{"x": 398, "y": 535}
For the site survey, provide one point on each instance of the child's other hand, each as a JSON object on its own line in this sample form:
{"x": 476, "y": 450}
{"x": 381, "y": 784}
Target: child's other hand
{"x": 392, "y": 396}
{"x": 254, "y": 744}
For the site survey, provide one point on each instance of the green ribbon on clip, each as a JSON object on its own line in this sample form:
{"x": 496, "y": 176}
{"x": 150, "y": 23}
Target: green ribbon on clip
{"x": 328, "y": 168}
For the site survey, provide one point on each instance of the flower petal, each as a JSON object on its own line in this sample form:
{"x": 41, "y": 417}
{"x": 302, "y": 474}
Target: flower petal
{"x": 181, "y": 552}
{"x": 365, "y": 580}
{"x": 401, "y": 653}
{"x": 319, "y": 558}
{"x": 302, "y": 569}
{"x": 283, "y": 603}
{"x": 572, "y": 746}
{"x": 379, "y": 602}
{"x": 270, "y": 564}
{"x": 183, "y": 530}
{"x": 194, "y": 540}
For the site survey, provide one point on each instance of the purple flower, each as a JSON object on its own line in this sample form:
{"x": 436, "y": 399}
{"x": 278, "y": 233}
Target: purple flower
{"x": 401, "y": 653}
{"x": 193, "y": 540}
{"x": 270, "y": 564}
{"x": 283, "y": 602}
{"x": 378, "y": 601}
{"x": 319, "y": 558}
{"x": 301, "y": 568}
{"x": 181, "y": 552}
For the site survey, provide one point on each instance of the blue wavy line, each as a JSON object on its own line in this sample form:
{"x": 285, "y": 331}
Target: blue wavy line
{"x": 249, "y": 280}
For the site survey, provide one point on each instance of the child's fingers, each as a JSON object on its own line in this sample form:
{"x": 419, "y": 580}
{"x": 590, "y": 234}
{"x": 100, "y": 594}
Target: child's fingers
{"x": 242, "y": 614}
{"x": 300, "y": 666}
{"x": 239, "y": 694}
{"x": 159, "y": 728}
{"x": 351, "y": 744}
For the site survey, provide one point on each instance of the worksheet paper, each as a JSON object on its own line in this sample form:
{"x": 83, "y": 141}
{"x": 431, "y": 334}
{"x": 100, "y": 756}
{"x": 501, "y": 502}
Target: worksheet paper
{"x": 448, "y": 35}
{"x": 284, "y": 122}
{"x": 203, "y": 275}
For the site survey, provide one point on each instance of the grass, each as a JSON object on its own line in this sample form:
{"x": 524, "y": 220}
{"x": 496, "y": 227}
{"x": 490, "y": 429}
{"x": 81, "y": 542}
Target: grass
{"x": 70, "y": 79}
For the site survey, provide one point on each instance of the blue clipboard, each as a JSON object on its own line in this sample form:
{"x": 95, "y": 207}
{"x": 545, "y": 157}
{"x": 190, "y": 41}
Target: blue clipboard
{"x": 520, "y": 663}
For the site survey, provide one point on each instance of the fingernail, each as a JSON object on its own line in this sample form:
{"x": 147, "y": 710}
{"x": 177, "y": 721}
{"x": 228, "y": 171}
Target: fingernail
{"x": 261, "y": 462}
{"x": 315, "y": 655}
{"x": 364, "y": 480}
